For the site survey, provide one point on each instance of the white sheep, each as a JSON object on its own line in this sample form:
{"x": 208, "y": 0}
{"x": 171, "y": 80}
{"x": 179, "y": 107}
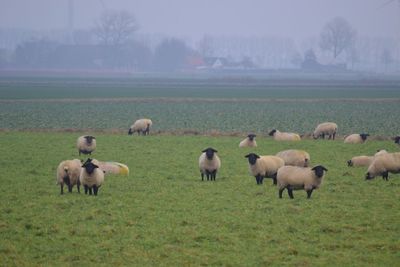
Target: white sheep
{"x": 356, "y": 138}
{"x": 364, "y": 161}
{"x": 141, "y": 126}
{"x": 295, "y": 178}
{"x": 282, "y": 136}
{"x": 249, "y": 141}
{"x": 383, "y": 164}
{"x": 86, "y": 144}
{"x": 295, "y": 157}
{"x": 264, "y": 166}
{"x": 91, "y": 177}
{"x": 326, "y": 128}
{"x": 113, "y": 167}
{"x": 209, "y": 163}
{"x": 68, "y": 172}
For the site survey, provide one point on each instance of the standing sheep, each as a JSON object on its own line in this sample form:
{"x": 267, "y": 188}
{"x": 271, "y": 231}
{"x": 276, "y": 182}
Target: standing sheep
{"x": 356, "y": 138}
{"x": 294, "y": 157}
{"x": 68, "y": 172}
{"x": 326, "y": 128}
{"x": 282, "y": 136}
{"x": 86, "y": 144}
{"x": 91, "y": 176}
{"x": 209, "y": 163}
{"x": 141, "y": 126}
{"x": 249, "y": 141}
{"x": 264, "y": 166}
{"x": 383, "y": 164}
{"x": 365, "y": 161}
{"x": 295, "y": 178}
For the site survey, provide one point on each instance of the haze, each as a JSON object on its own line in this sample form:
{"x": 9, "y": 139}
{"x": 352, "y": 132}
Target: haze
{"x": 296, "y": 19}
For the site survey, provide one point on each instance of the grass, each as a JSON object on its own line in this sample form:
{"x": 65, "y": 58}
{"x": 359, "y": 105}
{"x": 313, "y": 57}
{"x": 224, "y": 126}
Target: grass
{"x": 162, "y": 214}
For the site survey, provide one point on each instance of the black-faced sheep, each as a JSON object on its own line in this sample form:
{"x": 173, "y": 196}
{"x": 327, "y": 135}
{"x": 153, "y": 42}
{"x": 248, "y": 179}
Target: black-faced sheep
{"x": 356, "y": 138}
{"x": 383, "y": 164}
{"x": 249, "y": 141}
{"x": 68, "y": 172}
{"x": 91, "y": 177}
{"x": 264, "y": 166}
{"x": 209, "y": 163}
{"x": 296, "y": 178}
{"x": 141, "y": 126}
{"x": 326, "y": 128}
{"x": 86, "y": 144}
{"x": 282, "y": 136}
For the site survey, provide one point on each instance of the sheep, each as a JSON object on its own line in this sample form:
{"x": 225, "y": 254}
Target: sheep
{"x": 295, "y": 178}
{"x": 356, "y": 138}
{"x": 359, "y": 161}
{"x": 141, "y": 126}
{"x": 113, "y": 167}
{"x": 281, "y": 136}
{"x": 326, "y": 128}
{"x": 68, "y": 172}
{"x": 249, "y": 141}
{"x": 383, "y": 164}
{"x": 264, "y": 166}
{"x": 91, "y": 176}
{"x": 86, "y": 144}
{"x": 209, "y": 163}
{"x": 294, "y": 157}
{"x": 397, "y": 140}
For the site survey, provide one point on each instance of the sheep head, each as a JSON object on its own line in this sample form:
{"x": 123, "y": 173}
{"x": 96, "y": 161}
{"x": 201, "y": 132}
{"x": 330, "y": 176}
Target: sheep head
{"x": 319, "y": 170}
{"x": 209, "y": 152}
{"x": 252, "y": 157}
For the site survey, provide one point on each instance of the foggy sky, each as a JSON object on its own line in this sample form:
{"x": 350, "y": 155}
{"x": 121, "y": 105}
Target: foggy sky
{"x": 298, "y": 19}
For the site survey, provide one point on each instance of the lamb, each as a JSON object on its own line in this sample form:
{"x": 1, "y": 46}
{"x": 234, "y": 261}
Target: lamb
{"x": 295, "y": 178}
{"x": 141, "y": 126}
{"x": 209, "y": 163}
{"x": 359, "y": 161}
{"x": 383, "y": 164}
{"x": 326, "y": 128}
{"x": 249, "y": 141}
{"x": 294, "y": 157}
{"x": 356, "y": 138}
{"x": 86, "y": 144}
{"x": 264, "y": 166}
{"x": 282, "y": 136}
{"x": 68, "y": 172}
{"x": 91, "y": 176}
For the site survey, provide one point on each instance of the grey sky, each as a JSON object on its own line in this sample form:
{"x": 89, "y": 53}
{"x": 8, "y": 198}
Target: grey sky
{"x": 290, "y": 18}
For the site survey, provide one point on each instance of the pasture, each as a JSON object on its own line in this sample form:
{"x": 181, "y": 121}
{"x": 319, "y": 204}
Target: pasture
{"x": 162, "y": 213}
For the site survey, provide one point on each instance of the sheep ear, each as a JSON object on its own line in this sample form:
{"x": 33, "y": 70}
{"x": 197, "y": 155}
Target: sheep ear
{"x": 215, "y": 151}
{"x": 248, "y": 155}
{"x": 205, "y": 150}
{"x": 95, "y": 166}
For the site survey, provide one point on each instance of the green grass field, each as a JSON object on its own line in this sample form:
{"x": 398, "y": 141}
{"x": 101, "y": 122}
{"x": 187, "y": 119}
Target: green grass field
{"x": 163, "y": 214}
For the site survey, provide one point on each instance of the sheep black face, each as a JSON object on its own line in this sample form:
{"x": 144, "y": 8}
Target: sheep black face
{"x": 397, "y": 140}
{"x": 368, "y": 176}
{"x": 349, "y": 163}
{"x": 319, "y": 170}
{"x": 89, "y": 139}
{"x": 252, "y": 158}
{"x": 251, "y": 137}
{"x": 271, "y": 133}
{"x": 364, "y": 136}
{"x": 130, "y": 131}
{"x": 89, "y": 166}
{"x": 209, "y": 152}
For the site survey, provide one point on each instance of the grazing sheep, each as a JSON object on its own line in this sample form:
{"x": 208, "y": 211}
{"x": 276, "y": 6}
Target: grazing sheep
{"x": 383, "y": 164}
{"x": 294, "y": 157}
{"x": 249, "y": 141}
{"x": 113, "y": 167}
{"x": 264, "y": 166}
{"x": 397, "y": 140}
{"x": 68, "y": 172}
{"x": 141, "y": 126}
{"x": 91, "y": 176}
{"x": 281, "y": 136}
{"x": 86, "y": 144}
{"x": 295, "y": 178}
{"x": 326, "y": 128}
{"x": 209, "y": 163}
{"x": 356, "y": 138}
{"x": 359, "y": 161}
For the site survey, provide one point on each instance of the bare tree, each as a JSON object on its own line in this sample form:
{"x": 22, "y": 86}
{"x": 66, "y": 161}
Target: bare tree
{"x": 115, "y": 27}
{"x": 336, "y": 36}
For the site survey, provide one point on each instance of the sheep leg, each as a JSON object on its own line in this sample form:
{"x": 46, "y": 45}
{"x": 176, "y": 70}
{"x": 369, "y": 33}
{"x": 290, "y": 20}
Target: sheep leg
{"x": 385, "y": 175}
{"x": 258, "y": 179}
{"x": 334, "y": 136}
{"x": 86, "y": 189}
{"x": 309, "y": 192}
{"x": 95, "y": 189}
{"x": 323, "y": 136}
{"x": 275, "y": 182}
{"x": 62, "y": 188}
{"x": 213, "y": 175}
{"x": 290, "y": 191}
{"x": 281, "y": 191}
{"x": 90, "y": 191}
{"x": 70, "y": 188}
{"x": 208, "y": 175}
{"x": 202, "y": 176}
{"x": 78, "y": 185}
